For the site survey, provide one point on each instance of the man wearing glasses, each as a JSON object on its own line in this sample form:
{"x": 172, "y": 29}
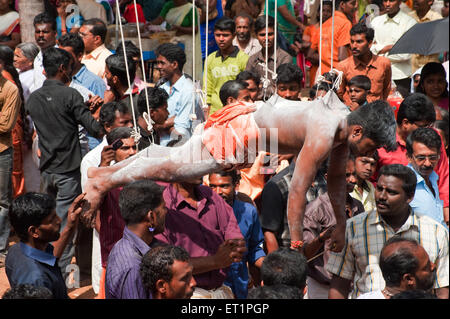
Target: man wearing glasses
{"x": 423, "y": 152}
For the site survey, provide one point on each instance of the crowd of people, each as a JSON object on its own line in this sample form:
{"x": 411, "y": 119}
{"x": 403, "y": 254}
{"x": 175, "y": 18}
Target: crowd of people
{"x": 355, "y": 204}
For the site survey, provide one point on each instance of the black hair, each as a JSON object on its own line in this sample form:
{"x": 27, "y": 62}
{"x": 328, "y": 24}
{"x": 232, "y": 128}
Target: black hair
{"x": 402, "y": 172}
{"x": 361, "y": 82}
{"x": 338, "y": 3}
{"x": 157, "y": 98}
{"x": 30, "y": 209}
{"x": 429, "y": 69}
{"x": 119, "y": 133}
{"x": 107, "y": 114}
{"x": 414, "y": 294}
{"x": 401, "y": 261}
{"x": 378, "y": 123}
{"x": 231, "y": 88}
{"x": 7, "y": 59}
{"x": 173, "y": 53}
{"x": 289, "y": 72}
{"x": 138, "y": 198}
{"x": 248, "y": 75}
{"x": 313, "y": 92}
{"x": 44, "y": 18}
{"x": 443, "y": 126}
{"x": 424, "y": 135}
{"x": 415, "y": 108}
{"x": 27, "y": 291}
{"x": 235, "y": 177}
{"x": 275, "y": 292}
{"x": 131, "y": 49}
{"x": 157, "y": 264}
{"x": 260, "y": 23}
{"x": 225, "y": 24}
{"x": 362, "y": 28}
{"x": 116, "y": 65}
{"x": 72, "y": 40}
{"x": 53, "y": 58}
{"x": 98, "y": 27}
{"x": 284, "y": 266}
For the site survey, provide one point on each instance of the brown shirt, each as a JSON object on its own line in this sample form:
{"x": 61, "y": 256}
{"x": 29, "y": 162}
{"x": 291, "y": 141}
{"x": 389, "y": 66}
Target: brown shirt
{"x": 378, "y": 70}
{"x": 319, "y": 215}
{"x": 9, "y": 109}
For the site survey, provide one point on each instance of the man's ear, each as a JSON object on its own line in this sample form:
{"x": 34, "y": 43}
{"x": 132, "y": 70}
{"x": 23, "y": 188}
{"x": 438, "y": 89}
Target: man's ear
{"x": 357, "y": 131}
{"x": 230, "y": 100}
{"x": 161, "y": 286}
{"x": 33, "y": 232}
{"x": 409, "y": 280}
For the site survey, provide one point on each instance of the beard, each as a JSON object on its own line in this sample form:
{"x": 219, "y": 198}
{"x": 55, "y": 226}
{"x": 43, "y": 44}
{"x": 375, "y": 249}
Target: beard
{"x": 243, "y": 36}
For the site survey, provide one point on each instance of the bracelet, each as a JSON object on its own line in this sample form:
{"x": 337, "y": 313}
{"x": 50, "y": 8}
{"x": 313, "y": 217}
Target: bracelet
{"x": 297, "y": 244}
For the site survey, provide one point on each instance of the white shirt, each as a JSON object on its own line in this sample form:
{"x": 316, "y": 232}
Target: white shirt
{"x": 387, "y": 32}
{"x": 91, "y": 159}
{"x": 377, "y": 294}
{"x": 252, "y": 47}
{"x": 26, "y": 79}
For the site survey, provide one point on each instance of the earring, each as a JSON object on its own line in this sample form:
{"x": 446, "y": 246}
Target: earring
{"x": 151, "y": 229}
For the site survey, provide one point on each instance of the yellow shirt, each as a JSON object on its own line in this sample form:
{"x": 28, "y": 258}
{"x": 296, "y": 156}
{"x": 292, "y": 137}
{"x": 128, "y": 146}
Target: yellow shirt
{"x": 367, "y": 197}
{"x": 95, "y": 61}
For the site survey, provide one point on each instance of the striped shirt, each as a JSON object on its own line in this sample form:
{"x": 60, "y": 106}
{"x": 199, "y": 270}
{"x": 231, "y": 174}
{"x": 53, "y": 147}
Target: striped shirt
{"x": 365, "y": 236}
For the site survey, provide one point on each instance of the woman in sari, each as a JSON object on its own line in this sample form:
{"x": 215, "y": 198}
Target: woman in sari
{"x": 178, "y": 14}
{"x": 9, "y": 24}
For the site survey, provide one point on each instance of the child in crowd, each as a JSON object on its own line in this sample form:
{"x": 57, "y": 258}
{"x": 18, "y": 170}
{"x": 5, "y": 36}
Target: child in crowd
{"x": 358, "y": 88}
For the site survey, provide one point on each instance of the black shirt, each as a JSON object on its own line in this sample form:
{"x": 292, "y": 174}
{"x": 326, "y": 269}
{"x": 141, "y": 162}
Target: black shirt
{"x": 56, "y": 111}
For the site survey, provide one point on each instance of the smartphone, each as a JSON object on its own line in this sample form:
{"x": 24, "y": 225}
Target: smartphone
{"x": 117, "y": 144}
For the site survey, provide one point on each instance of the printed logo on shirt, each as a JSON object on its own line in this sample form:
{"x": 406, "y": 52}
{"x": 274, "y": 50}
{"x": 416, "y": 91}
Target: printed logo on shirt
{"x": 224, "y": 71}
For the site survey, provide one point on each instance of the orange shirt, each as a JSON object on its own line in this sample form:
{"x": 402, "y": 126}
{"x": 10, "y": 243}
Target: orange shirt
{"x": 378, "y": 70}
{"x": 342, "y": 28}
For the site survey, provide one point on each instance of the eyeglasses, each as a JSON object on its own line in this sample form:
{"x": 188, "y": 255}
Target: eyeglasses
{"x": 422, "y": 158}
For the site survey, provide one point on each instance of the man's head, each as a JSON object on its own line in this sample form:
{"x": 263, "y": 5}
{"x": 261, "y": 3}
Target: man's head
{"x": 234, "y": 91}
{"x": 415, "y": 111}
{"x": 392, "y": 7}
{"x": 284, "y": 266}
{"x": 350, "y": 174}
{"x": 371, "y": 126}
{"x": 422, "y": 6}
{"x": 73, "y": 43}
{"x": 252, "y": 81}
{"x": 423, "y": 148}
{"x": 361, "y": 38}
{"x": 327, "y": 10}
{"x": 157, "y": 103}
{"x": 395, "y": 189}
{"x": 28, "y": 291}
{"x": 406, "y": 265}
{"x": 170, "y": 59}
{"x": 365, "y": 166}
{"x": 116, "y": 71}
{"x": 275, "y": 292}
{"x": 44, "y": 30}
{"x": 33, "y": 218}
{"x": 58, "y": 64}
{"x": 347, "y": 7}
{"x": 128, "y": 147}
{"x": 114, "y": 114}
{"x": 224, "y": 183}
{"x": 244, "y": 24}
{"x": 263, "y": 31}
{"x": 93, "y": 32}
{"x": 358, "y": 89}
{"x": 167, "y": 273}
{"x": 141, "y": 202}
{"x": 224, "y": 31}
{"x": 289, "y": 81}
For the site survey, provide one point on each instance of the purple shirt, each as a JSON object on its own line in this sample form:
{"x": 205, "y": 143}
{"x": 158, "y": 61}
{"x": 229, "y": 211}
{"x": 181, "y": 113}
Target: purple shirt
{"x": 123, "y": 280}
{"x": 200, "y": 231}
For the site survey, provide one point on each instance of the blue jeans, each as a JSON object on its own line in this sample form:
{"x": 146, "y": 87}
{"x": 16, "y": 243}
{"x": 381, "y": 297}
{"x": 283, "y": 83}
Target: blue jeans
{"x": 6, "y": 160}
{"x": 64, "y": 188}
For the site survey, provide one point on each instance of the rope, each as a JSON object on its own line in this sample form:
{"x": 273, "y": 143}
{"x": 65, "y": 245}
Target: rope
{"x": 320, "y": 39}
{"x": 275, "y": 43}
{"x": 136, "y": 134}
{"x": 205, "y": 82}
{"x": 332, "y": 36}
{"x": 193, "y": 116}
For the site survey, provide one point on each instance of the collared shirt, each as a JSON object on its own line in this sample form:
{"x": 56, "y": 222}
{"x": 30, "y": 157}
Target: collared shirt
{"x": 38, "y": 68}
{"x": 221, "y": 70}
{"x": 367, "y": 197}
{"x": 255, "y": 59}
{"x": 319, "y": 215}
{"x": 123, "y": 279}
{"x": 248, "y": 221}
{"x": 399, "y": 157}
{"x": 419, "y": 60}
{"x": 424, "y": 201}
{"x": 342, "y": 26}
{"x": 365, "y": 236}
{"x": 90, "y": 81}
{"x": 179, "y": 105}
{"x": 387, "y": 32}
{"x": 28, "y": 265}
{"x": 95, "y": 61}
{"x": 56, "y": 111}
{"x": 252, "y": 47}
{"x": 200, "y": 230}
{"x": 9, "y": 110}
{"x": 378, "y": 70}
{"x": 91, "y": 159}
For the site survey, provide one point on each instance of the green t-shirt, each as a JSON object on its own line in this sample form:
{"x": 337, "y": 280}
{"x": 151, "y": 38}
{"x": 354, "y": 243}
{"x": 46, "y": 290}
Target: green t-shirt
{"x": 284, "y": 26}
{"x": 187, "y": 21}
